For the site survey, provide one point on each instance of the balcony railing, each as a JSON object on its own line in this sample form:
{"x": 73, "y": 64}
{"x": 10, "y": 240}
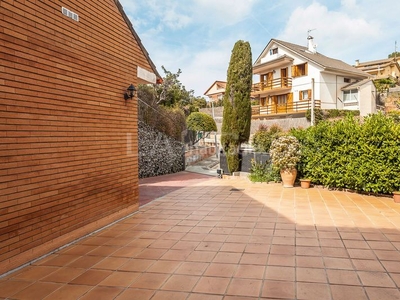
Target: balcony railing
{"x": 283, "y": 82}
{"x": 287, "y": 108}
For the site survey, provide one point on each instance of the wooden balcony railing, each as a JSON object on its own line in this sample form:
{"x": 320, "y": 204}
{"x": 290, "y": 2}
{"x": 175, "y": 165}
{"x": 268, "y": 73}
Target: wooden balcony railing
{"x": 283, "y": 82}
{"x": 273, "y": 109}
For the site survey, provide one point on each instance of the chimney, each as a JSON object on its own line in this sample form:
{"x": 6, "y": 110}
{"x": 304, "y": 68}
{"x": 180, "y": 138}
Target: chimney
{"x": 311, "y": 46}
{"x": 357, "y": 62}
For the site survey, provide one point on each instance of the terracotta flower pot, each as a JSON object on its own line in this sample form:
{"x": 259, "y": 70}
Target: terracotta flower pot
{"x": 288, "y": 177}
{"x": 305, "y": 183}
{"x": 396, "y": 197}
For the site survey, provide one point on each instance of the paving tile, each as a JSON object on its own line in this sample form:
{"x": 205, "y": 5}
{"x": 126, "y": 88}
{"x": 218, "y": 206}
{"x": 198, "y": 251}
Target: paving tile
{"x": 244, "y": 287}
{"x": 280, "y": 273}
{"x": 63, "y": 275}
{"x": 382, "y": 293}
{"x": 344, "y": 277}
{"x": 180, "y": 283}
{"x": 279, "y": 289}
{"x": 137, "y": 294}
{"x": 9, "y": 288}
{"x": 313, "y": 291}
{"x": 212, "y": 285}
{"x": 311, "y": 275}
{"x": 202, "y": 256}
{"x": 37, "y": 290}
{"x": 309, "y": 262}
{"x": 206, "y": 297}
{"x": 137, "y": 265}
{"x": 34, "y": 273}
{"x": 249, "y": 271}
{"x": 85, "y": 262}
{"x": 69, "y": 292}
{"x": 102, "y": 293}
{"x": 281, "y": 260}
{"x": 91, "y": 277}
{"x": 368, "y": 265}
{"x": 120, "y": 279}
{"x": 378, "y": 279}
{"x": 150, "y": 281}
{"x": 111, "y": 263}
{"x": 343, "y": 292}
{"x": 338, "y": 263}
{"x": 166, "y": 295}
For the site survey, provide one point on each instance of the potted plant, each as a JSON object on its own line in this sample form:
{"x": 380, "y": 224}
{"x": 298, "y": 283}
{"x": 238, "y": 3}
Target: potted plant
{"x": 396, "y": 196}
{"x": 285, "y": 154}
{"x": 305, "y": 183}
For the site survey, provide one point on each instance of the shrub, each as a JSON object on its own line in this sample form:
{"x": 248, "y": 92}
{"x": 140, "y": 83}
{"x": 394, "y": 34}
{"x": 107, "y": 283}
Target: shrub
{"x": 264, "y": 136}
{"x": 198, "y": 121}
{"x": 285, "y": 152}
{"x": 263, "y": 172}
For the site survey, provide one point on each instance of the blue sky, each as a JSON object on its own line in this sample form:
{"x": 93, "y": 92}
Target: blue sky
{"x": 197, "y": 36}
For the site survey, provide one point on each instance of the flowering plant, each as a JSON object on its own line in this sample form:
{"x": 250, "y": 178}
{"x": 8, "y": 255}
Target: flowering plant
{"x": 285, "y": 152}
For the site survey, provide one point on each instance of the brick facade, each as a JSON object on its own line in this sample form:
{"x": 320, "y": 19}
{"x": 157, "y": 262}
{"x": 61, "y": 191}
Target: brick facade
{"x": 68, "y": 139}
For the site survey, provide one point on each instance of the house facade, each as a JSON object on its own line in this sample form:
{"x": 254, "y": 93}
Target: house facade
{"x": 68, "y": 147}
{"x": 292, "y": 78}
{"x": 216, "y": 91}
{"x": 383, "y": 68}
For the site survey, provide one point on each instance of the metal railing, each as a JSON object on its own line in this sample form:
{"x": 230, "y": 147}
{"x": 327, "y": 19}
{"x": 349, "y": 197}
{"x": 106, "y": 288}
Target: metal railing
{"x": 286, "y": 108}
{"x": 283, "y": 82}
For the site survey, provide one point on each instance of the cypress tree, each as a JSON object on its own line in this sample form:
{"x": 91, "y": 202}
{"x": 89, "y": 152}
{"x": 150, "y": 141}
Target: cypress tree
{"x": 237, "y": 106}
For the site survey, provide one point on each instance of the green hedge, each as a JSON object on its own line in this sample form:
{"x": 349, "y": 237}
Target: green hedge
{"x": 363, "y": 156}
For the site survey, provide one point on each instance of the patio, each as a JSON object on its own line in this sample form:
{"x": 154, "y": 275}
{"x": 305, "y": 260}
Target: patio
{"x": 208, "y": 238}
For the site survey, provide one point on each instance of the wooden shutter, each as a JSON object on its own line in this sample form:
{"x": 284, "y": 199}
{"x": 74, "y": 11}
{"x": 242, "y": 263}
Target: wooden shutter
{"x": 301, "y": 95}
{"x": 293, "y": 71}
{"x": 309, "y": 94}
{"x": 290, "y": 102}
{"x": 306, "y": 69}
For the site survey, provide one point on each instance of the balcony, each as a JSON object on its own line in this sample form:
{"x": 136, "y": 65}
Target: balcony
{"x": 283, "y": 83}
{"x": 258, "y": 111}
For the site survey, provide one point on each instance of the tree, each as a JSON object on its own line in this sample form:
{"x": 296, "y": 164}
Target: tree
{"x": 237, "y": 106}
{"x": 198, "y": 121}
{"x": 394, "y": 54}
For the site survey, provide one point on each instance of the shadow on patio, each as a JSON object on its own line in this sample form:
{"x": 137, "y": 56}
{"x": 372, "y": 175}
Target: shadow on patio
{"x": 225, "y": 239}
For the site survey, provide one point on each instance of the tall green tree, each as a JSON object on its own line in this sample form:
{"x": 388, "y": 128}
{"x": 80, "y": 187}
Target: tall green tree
{"x": 237, "y": 105}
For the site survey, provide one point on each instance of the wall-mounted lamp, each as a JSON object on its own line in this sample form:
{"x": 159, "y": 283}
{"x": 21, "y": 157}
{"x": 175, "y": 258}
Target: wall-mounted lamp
{"x": 130, "y": 92}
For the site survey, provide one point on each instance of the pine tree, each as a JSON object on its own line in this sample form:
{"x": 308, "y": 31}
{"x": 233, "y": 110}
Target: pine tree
{"x": 237, "y": 105}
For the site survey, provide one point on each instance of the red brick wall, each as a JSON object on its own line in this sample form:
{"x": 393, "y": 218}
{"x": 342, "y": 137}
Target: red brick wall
{"x": 65, "y": 165}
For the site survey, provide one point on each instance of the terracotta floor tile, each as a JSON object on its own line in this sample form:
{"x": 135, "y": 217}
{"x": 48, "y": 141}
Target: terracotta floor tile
{"x": 238, "y": 239}
{"x": 102, "y": 293}
{"x": 254, "y": 259}
{"x": 279, "y": 289}
{"x": 344, "y": 277}
{"x": 192, "y": 268}
{"x": 63, "y": 275}
{"x": 361, "y": 254}
{"x": 391, "y": 266}
{"x": 166, "y": 295}
{"x": 150, "y": 281}
{"x": 103, "y": 250}
{"x": 338, "y": 263}
{"x": 176, "y": 254}
{"x": 309, "y": 262}
{"x": 281, "y": 260}
{"x": 181, "y": 283}
{"x": 151, "y": 253}
{"x": 244, "y": 287}
{"x": 387, "y": 255}
{"x": 249, "y": 271}
{"x": 368, "y": 265}
{"x": 343, "y": 292}
{"x": 111, "y": 263}
{"x": 38, "y": 290}
{"x": 185, "y": 245}
{"x": 311, "y": 291}
{"x": 378, "y": 279}
{"x": 128, "y": 252}
{"x": 220, "y": 270}
{"x": 280, "y": 273}
{"x": 233, "y": 247}
{"x": 215, "y": 238}
{"x": 69, "y": 292}
{"x": 308, "y": 251}
{"x": 34, "y": 273}
{"x": 311, "y": 275}
{"x": 282, "y": 250}
{"x": 10, "y": 287}
{"x": 201, "y": 256}
{"x": 257, "y": 248}
{"x": 91, "y": 277}
{"x": 211, "y": 285}
{"x": 78, "y": 250}
{"x": 120, "y": 279}
{"x": 356, "y": 244}
{"x": 209, "y": 246}
{"x": 85, "y": 262}
{"x": 195, "y": 237}
{"x": 161, "y": 266}
{"x": 334, "y": 252}
{"x": 382, "y": 293}
{"x": 137, "y": 265}
{"x": 205, "y": 297}
{"x": 136, "y": 294}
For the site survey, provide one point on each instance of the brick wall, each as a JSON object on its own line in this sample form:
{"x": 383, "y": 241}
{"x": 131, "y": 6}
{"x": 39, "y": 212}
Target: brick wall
{"x": 68, "y": 139}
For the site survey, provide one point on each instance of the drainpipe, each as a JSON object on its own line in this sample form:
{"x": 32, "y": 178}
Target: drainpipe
{"x": 312, "y": 103}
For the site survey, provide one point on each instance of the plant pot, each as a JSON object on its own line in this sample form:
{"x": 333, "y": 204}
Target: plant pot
{"x": 288, "y": 177}
{"x": 305, "y": 183}
{"x": 396, "y": 197}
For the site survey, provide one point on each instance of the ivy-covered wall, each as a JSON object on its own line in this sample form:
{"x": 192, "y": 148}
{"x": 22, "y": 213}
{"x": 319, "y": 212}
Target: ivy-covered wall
{"x": 158, "y": 153}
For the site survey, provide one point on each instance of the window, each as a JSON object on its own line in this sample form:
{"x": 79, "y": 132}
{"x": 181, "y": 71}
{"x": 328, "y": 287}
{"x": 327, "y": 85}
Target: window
{"x": 305, "y": 95}
{"x": 273, "y": 51}
{"x": 347, "y": 80}
{"x": 300, "y": 70}
{"x": 281, "y": 99}
{"x": 350, "y": 96}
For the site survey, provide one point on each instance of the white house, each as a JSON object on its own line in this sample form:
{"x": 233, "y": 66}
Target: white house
{"x": 292, "y": 77}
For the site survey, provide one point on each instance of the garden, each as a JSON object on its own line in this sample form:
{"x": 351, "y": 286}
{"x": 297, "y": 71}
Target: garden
{"x": 351, "y": 153}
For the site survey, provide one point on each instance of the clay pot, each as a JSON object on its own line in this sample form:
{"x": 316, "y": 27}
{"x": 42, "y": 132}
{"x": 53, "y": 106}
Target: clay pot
{"x": 396, "y": 196}
{"x": 288, "y": 177}
{"x": 305, "y": 183}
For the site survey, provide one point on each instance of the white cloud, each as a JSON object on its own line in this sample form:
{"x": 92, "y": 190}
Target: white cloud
{"x": 337, "y": 33}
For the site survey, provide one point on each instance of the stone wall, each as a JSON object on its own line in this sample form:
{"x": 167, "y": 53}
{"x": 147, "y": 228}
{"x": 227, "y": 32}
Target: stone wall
{"x": 158, "y": 154}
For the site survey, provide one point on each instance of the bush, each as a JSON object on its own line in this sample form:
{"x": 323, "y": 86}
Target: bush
{"x": 362, "y": 156}
{"x": 264, "y": 136}
{"x": 325, "y": 114}
{"x": 285, "y": 152}
{"x": 198, "y": 121}
{"x": 263, "y": 172}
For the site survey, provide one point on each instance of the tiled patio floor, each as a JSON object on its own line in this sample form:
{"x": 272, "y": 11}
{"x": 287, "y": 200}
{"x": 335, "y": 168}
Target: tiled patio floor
{"x": 230, "y": 239}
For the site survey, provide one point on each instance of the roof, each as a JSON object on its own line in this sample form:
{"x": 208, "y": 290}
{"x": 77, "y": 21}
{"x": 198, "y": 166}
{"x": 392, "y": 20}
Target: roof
{"x": 328, "y": 63}
{"x": 136, "y": 36}
{"x": 375, "y": 62}
{"x": 221, "y": 84}
{"x": 356, "y": 84}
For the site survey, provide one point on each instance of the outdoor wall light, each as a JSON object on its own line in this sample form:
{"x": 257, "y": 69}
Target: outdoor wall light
{"x": 130, "y": 92}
